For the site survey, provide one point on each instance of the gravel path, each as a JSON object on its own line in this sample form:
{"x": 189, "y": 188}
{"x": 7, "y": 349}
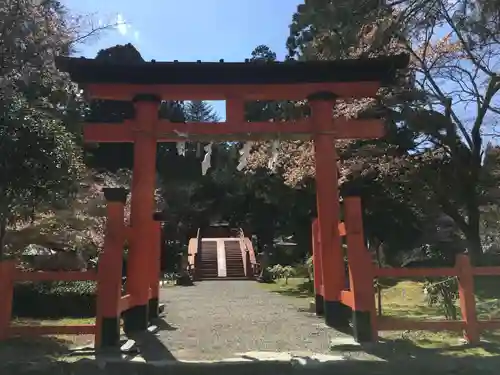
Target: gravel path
{"x": 217, "y": 319}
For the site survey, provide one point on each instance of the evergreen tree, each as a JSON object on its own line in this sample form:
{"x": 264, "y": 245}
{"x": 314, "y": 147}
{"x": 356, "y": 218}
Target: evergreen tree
{"x": 200, "y": 111}
{"x": 40, "y": 157}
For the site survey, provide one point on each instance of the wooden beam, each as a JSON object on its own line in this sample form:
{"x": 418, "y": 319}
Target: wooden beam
{"x": 238, "y": 127}
{"x": 235, "y": 110}
{"x": 358, "y": 129}
{"x": 108, "y": 133}
{"x": 33, "y": 331}
{"x": 167, "y": 131}
{"x": 386, "y": 323}
{"x": 226, "y": 92}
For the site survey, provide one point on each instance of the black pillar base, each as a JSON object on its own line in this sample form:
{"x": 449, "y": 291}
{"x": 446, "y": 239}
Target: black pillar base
{"x": 135, "y": 319}
{"x": 153, "y": 308}
{"x": 362, "y": 326}
{"x": 337, "y": 315}
{"x": 320, "y": 304}
{"x": 110, "y": 332}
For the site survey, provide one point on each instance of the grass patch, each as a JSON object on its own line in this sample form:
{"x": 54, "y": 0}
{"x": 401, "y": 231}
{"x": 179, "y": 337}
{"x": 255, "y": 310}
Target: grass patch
{"x": 296, "y": 287}
{"x": 405, "y": 299}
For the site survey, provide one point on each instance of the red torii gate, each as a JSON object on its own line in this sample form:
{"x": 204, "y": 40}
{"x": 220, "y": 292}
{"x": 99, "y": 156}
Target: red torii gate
{"x": 146, "y": 84}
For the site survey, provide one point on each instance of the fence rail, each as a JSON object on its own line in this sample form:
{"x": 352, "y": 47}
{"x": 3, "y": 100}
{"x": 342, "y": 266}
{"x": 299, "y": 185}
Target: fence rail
{"x": 33, "y": 330}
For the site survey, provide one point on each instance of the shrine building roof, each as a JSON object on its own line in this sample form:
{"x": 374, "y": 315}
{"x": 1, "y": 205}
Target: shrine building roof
{"x": 380, "y": 69}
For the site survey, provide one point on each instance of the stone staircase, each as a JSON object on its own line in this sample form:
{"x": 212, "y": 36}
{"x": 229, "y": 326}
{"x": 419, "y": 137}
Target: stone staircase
{"x": 234, "y": 259}
{"x": 208, "y": 261}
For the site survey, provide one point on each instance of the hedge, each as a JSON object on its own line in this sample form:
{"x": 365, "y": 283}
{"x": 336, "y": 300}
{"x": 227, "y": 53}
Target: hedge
{"x": 55, "y": 299}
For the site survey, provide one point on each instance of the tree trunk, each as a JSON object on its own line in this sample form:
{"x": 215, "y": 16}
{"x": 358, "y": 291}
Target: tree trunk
{"x": 3, "y": 232}
{"x": 474, "y": 246}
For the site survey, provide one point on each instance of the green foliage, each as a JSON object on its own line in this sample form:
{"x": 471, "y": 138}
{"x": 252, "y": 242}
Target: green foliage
{"x": 54, "y": 299}
{"x": 328, "y": 29}
{"x": 120, "y": 54}
{"x": 40, "y": 155}
{"x": 40, "y": 110}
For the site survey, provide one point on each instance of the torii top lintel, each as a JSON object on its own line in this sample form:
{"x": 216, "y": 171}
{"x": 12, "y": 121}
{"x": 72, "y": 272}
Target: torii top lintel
{"x": 290, "y": 80}
{"x": 235, "y": 83}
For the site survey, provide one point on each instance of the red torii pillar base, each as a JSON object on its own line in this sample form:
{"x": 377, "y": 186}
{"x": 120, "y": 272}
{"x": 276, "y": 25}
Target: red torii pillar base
{"x": 360, "y": 273}
{"x": 153, "y": 308}
{"x": 154, "y": 302}
{"x": 110, "y": 261}
{"x": 133, "y": 319}
{"x": 319, "y": 300}
{"x": 319, "y": 304}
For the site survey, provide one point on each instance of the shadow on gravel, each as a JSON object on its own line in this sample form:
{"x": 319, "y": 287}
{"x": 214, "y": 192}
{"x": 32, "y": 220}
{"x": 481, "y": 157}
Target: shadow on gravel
{"x": 89, "y": 367}
{"x": 33, "y": 349}
{"x": 164, "y": 325}
{"x": 402, "y": 349}
{"x": 404, "y": 356}
{"x": 147, "y": 345}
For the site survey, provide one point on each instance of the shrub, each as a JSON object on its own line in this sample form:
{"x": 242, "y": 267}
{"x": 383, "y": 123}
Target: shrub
{"x": 305, "y": 269}
{"x": 288, "y": 271}
{"x": 276, "y": 271}
{"x": 443, "y": 293}
{"x": 55, "y": 299}
{"x": 281, "y": 272}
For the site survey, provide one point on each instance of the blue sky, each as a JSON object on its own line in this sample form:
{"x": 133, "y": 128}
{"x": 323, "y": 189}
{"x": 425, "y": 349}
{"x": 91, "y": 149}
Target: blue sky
{"x": 190, "y": 30}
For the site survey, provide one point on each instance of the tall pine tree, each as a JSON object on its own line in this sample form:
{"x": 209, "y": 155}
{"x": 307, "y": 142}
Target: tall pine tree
{"x": 200, "y": 111}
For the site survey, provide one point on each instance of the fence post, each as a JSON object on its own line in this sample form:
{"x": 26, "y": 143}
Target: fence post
{"x": 318, "y": 279}
{"x": 360, "y": 273}
{"x": 467, "y": 298}
{"x": 7, "y": 270}
{"x": 110, "y": 270}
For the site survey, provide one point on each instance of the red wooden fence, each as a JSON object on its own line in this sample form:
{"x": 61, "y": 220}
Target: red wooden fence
{"x": 362, "y": 271}
{"x": 9, "y": 274}
{"x": 110, "y": 302}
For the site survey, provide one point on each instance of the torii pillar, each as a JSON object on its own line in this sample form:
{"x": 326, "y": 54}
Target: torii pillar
{"x": 155, "y": 267}
{"x": 142, "y": 241}
{"x": 328, "y": 207}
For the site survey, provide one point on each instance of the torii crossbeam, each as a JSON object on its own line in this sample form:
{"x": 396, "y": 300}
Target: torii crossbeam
{"x": 320, "y": 82}
{"x": 166, "y": 131}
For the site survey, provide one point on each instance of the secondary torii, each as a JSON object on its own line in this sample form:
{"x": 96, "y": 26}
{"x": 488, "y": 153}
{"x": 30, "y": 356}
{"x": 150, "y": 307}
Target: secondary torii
{"x": 146, "y": 84}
